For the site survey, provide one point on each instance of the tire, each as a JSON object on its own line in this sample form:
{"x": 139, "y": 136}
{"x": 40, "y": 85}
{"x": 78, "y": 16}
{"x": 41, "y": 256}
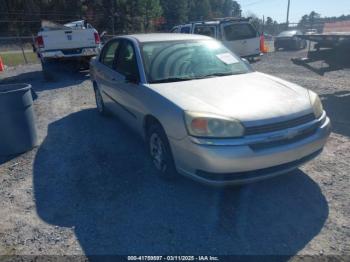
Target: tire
{"x": 48, "y": 70}
{"x": 304, "y": 44}
{"x": 101, "y": 108}
{"x": 160, "y": 152}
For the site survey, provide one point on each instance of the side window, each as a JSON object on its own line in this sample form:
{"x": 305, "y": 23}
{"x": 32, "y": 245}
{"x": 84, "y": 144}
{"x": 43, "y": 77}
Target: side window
{"x": 205, "y": 30}
{"x": 127, "y": 63}
{"x": 108, "y": 54}
{"x": 185, "y": 30}
{"x": 174, "y": 30}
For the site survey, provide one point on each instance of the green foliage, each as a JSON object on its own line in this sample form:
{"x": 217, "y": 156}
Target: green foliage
{"x": 113, "y": 16}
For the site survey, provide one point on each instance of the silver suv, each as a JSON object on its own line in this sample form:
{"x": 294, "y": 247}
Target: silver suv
{"x": 237, "y": 34}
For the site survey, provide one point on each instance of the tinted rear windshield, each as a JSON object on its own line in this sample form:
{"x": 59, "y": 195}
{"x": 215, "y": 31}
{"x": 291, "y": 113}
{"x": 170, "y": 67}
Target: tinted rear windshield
{"x": 239, "y": 31}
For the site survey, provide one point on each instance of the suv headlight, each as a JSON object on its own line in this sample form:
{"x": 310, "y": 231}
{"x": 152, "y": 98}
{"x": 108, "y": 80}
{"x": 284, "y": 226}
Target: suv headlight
{"x": 212, "y": 126}
{"x": 316, "y": 104}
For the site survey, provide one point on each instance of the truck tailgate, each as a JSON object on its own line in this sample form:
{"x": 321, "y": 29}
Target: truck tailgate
{"x": 68, "y": 39}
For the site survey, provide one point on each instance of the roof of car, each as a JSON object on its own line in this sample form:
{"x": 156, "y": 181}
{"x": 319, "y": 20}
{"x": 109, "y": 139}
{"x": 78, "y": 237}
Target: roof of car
{"x": 163, "y": 37}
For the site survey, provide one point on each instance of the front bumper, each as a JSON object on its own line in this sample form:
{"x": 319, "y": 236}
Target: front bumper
{"x": 239, "y": 161}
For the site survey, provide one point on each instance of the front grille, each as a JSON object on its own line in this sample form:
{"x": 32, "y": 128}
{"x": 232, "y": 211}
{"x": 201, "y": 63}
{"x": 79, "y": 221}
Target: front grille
{"x": 303, "y": 135}
{"x": 256, "y": 130}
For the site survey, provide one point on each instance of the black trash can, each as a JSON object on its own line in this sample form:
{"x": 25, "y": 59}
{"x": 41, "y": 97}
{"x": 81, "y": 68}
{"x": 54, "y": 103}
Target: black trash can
{"x": 17, "y": 121}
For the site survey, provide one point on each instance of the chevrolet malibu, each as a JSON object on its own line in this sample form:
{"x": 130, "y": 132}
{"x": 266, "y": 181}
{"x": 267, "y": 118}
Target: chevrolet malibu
{"x": 204, "y": 112}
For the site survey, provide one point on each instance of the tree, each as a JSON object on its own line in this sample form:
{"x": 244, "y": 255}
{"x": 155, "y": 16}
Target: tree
{"x": 148, "y": 11}
{"x": 199, "y": 10}
{"x": 225, "y": 8}
{"x": 231, "y": 8}
{"x": 175, "y": 12}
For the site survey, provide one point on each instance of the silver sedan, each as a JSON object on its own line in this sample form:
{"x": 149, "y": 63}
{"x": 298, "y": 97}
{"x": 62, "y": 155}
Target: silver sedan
{"x": 204, "y": 112}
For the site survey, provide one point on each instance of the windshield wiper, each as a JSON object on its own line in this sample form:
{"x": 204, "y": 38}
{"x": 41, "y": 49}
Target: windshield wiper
{"x": 215, "y": 75}
{"x": 172, "y": 79}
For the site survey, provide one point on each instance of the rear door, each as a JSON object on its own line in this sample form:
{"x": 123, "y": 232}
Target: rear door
{"x": 186, "y": 29}
{"x": 106, "y": 76}
{"x": 241, "y": 38}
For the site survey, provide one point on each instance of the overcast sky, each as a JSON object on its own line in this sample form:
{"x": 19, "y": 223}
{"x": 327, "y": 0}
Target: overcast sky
{"x": 277, "y": 9}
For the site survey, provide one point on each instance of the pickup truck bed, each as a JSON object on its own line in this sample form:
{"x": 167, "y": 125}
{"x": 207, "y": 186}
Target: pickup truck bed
{"x": 75, "y": 40}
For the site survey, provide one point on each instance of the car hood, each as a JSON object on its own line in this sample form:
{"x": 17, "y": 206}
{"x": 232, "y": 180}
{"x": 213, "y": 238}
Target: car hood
{"x": 248, "y": 97}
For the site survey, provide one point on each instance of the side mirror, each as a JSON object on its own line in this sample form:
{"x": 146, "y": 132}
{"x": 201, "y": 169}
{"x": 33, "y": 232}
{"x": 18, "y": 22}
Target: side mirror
{"x": 246, "y": 62}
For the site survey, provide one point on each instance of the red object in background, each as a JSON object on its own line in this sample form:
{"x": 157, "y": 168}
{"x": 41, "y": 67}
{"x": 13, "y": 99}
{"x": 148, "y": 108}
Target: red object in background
{"x": 40, "y": 42}
{"x": 97, "y": 38}
{"x": 158, "y": 21}
{"x": 2, "y": 67}
{"x": 262, "y": 44}
{"x": 341, "y": 27}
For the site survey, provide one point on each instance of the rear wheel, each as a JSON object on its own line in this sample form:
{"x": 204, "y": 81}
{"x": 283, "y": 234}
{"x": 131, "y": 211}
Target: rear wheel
{"x": 304, "y": 44}
{"x": 160, "y": 152}
{"x": 47, "y": 69}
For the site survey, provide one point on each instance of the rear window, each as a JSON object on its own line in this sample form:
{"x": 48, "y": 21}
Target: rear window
{"x": 205, "y": 30}
{"x": 288, "y": 33}
{"x": 239, "y": 31}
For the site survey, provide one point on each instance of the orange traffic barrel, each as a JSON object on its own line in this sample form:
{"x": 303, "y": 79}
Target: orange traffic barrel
{"x": 263, "y": 46}
{"x": 2, "y": 67}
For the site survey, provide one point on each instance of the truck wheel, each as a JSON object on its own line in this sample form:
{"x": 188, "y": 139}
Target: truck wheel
{"x": 304, "y": 44}
{"x": 85, "y": 64}
{"x": 47, "y": 69}
{"x": 159, "y": 148}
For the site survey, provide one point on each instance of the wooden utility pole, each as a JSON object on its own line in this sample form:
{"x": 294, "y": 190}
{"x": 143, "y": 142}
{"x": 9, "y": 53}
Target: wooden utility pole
{"x": 288, "y": 8}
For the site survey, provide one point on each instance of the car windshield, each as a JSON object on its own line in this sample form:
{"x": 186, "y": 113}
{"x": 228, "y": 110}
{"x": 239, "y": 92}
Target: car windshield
{"x": 187, "y": 60}
{"x": 288, "y": 33}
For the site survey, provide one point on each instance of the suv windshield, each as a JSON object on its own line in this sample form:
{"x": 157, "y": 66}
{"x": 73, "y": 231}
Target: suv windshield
{"x": 187, "y": 60}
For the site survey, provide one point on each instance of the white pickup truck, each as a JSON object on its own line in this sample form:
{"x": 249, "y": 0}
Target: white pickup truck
{"x": 76, "y": 42}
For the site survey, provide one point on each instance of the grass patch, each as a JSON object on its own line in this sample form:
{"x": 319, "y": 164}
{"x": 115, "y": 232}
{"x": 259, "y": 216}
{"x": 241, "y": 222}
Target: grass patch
{"x": 15, "y": 58}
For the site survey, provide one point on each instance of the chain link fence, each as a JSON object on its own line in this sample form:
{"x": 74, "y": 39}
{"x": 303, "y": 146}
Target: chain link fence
{"x": 17, "y": 50}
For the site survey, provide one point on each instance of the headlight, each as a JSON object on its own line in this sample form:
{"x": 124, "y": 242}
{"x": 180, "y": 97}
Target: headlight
{"x": 316, "y": 104}
{"x": 212, "y": 126}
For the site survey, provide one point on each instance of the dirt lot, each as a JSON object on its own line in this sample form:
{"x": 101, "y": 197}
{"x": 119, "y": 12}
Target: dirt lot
{"x": 89, "y": 188}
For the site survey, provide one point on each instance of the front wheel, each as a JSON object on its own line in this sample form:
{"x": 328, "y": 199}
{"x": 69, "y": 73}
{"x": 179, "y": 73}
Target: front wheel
{"x": 160, "y": 152}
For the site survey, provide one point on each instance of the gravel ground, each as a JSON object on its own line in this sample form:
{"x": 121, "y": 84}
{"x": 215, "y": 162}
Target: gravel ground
{"x": 89, "y": 188}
